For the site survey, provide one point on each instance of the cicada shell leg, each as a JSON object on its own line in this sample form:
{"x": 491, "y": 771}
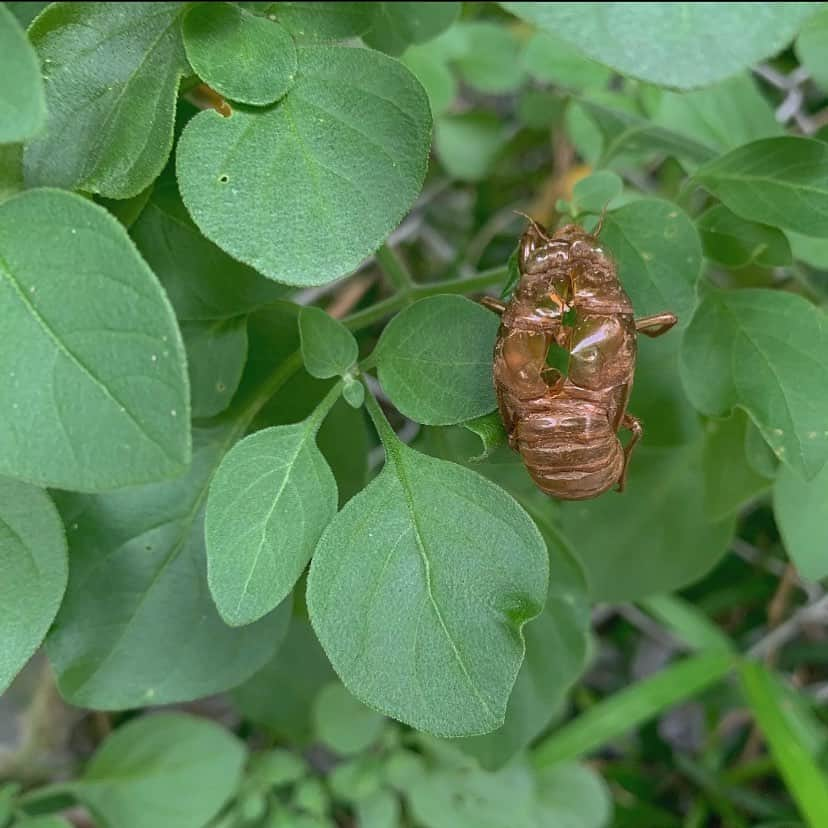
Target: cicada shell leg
{"x": 656, "y": 325}
{"x": 632, "y": 424}
{"x": 493, "y": 304}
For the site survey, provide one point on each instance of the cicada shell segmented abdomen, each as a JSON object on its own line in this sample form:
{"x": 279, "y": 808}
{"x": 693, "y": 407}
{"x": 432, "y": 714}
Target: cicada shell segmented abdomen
{"x": 565, "y": 423}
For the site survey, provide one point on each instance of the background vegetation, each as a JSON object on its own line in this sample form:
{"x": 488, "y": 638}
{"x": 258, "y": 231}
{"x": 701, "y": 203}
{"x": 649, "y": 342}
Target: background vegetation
{"x": 236, "y": 246}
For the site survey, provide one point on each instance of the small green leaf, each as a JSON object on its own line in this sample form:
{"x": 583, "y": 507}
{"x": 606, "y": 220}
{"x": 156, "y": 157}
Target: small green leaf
{"x": 736, "y": 243}
{"x": 243, "y": 56}
{"x": 33, "y": 572}
{"x": 380, "y": 810}
{"x": 671, "y": 44}
{"x": 431, "y": 70}
{"x": 202, "y": 281}
{"x": 142, "y": 775}
{"x": 95, "y": 392}
{"x": 777, "y": 181}
{"x": 344, "y": 724}
{"x": 810, "y": 48}
{"x": 394, "y": 560}
{"x": 625, "y": 710}
{"x": 354, "y": 129}
{"x": 271, "y": 498}
{"x": 803, "y": 777}
{"x": 548, "y": 58}
{"x": 767, "y": 352}
{"x": 322, "y": 21}
{"x": 22, "y": 99}
{"x": 299, "y": 669}
{"x": 800, "y": 508}
{"x": 112, "y": 73}
{"x": 275, "y": 769}
{"x": 490, "y": 60}
{"x": 620, "y": 538}
{"x": 145, "y": 639}
{"x": 468, "y": 143}
{"x": 729, "y": 479}
{"x": 489, "y": 428}
{"x": 573, "y": 796}
{"x": 723, "y": 116}
{"x": 658, "y": 253}
{"x": 396, "y": 26}
{"x": 311, "y": 797}
{"x": 216, "y": 353}
{"x": 353, "y": 392}
{"x": 328, "y": 347}
{"x": 596, "y": 192}
{"x": 435, "y": 360}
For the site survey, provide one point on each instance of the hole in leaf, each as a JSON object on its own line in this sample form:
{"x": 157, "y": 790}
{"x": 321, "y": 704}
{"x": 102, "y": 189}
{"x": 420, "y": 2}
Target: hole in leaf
{"x": 224, "y": 178}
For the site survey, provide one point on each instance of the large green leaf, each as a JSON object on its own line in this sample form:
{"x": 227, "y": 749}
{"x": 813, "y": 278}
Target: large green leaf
{"x": 22, "y": 100}
{"x": 810, "y": 48}
{"x": 112, "y": 73}
{"x": 671, "y": 44}
{"x": 243, "y": 56}
{"x": 166, "y": 769}
{"x": 95, "y": 393}
{"x": 658, "y": 253}
{"x": 279, "y": 697}
{"x": 152, "y": 635}
{"x": 33, "y": 572}
{"x": 735, "y": 243}
{"x": 271, "y": 499}
{"x": 418, "y": 611}
{"x": 353, "y": 130}
{"x": 396, "y": 26}
{"x": 800, "y": 507}
{"x": 723, "y": 116}
{"x": 435, "y": 360}
{"x": 621, "y": 538}
{"x": 777, "y": 181}
{"x": 319, "y": 21}
{"x": 767, "y": 352}
{"x": 202, "y": 281}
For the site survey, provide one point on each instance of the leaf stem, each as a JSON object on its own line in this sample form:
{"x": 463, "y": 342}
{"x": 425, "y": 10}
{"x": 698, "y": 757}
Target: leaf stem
{"x": 394, "y": 268}
{"x": 386, "y": 434}
{"x": 324, "y": 406}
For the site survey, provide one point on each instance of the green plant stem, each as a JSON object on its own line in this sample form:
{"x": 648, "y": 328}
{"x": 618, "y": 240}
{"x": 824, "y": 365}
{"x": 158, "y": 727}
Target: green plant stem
{"x": 325, "y": 405}
{"x": 394, "y": 268}
{"x": 386, "y": 434}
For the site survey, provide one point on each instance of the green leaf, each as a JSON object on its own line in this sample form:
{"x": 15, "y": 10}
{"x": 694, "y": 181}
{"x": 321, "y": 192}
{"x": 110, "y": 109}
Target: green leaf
{"x": 299, "y": 670}
{"x": 809, "y": 250}
{"x": 557, "y": 647}
{"x": 490, "y": 58}
{"x": 381, "y": 810}
{"x": 270, "y": 500}
{"x": 202, "y": 281}
{"x": 216, "y": 353}
{"x": 95, "y": 393}
{"x": 548, "y": 58}
{"x": 688, "y": 623}
{"x": 671, "y": 44}
{"x": 736, "y": 243}
{"x": 489, "y": 428}
{"x": 354, "y": 129}
{"x": 26, "y": 11}
{"x": 11, "y": 170}
{"x": 33, "y": 572}
{"x": 243, "y": 56}
{"x": 396, "y": 26}
{"x": 625, "y": 710}
{"x": 573, "y": 796}
{"x": 468, "y": 143}
{"x": 595, "y": 192}
{"x": 344, "y": 724}
{"x": 22, "y": 99}
{"x": 620, "y": 538}
{"x": 804, "y": 779}
{"x": 435, "y": 360}
{"x": 397, "y": 559}
{"x": 628, "y": 132}
{"x": 167, "y": 769}
{"x": 275, "y": 768}
{"x": 431, "y": 70}
{"x": 112, "y": 74}
{"x": 800, "y": 508}
{"x": 152, "y": 635}
{"x": 658, "y": 253}
{"x": 723, "y": 116}
{"x": 42, "y": 822}
{"x": 767, "y": 352}
{"x": 777, "y": 181}
{"x": 322, "y": 21}
{"x": 353, "y": 392}
{"x": 810, "y": 48}
{"x": 328, "y": 347}
{"x": 729, "y": 479}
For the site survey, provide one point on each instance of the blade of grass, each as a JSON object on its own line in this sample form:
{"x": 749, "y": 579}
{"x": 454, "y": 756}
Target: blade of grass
{"x": 687, "y": 623}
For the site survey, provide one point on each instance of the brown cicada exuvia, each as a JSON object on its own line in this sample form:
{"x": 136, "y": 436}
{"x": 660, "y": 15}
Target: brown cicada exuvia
{"x": 564, "y": 420}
